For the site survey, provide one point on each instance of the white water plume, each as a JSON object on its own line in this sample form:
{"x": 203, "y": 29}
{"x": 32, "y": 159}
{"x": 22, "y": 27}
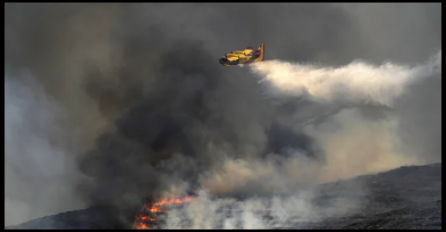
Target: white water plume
{"x": 357, "y": 82}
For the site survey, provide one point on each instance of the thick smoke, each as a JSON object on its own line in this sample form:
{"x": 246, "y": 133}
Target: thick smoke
{"x": 152, "y": 113}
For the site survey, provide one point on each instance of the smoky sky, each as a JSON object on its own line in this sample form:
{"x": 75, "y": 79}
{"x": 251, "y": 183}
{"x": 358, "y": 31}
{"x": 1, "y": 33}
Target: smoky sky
{"x": 144, "y": 92}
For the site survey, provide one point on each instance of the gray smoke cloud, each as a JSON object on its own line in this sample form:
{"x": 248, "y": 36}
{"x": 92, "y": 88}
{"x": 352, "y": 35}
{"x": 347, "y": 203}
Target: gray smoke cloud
{"x": 150, "y": 112}
{"x": 40, "y": 175}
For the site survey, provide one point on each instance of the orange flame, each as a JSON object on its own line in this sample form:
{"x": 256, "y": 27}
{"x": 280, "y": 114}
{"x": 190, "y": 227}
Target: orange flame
{"x": 140, "y": 220}
{"x": 145, "y": 218}
{"x": 140, "y": 226}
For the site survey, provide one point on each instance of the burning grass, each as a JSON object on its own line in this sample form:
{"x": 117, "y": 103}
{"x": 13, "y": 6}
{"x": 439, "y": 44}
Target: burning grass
{"x": 142, "y": 220}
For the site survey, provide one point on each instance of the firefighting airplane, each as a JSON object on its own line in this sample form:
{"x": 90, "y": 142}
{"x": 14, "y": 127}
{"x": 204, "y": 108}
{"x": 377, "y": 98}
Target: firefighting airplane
{"x": 249, "y": 55}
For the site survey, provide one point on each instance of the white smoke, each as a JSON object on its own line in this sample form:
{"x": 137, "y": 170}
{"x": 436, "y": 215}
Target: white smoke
{"x": 255, "y": 213}
{"x": 357, "y": 82}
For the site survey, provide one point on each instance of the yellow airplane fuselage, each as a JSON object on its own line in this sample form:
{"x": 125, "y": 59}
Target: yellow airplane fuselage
{"x": 243, "y": 56}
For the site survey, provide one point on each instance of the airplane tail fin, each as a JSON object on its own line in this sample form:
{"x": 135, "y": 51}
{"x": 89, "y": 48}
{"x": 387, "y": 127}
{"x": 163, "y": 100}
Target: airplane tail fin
{"x": 262, "y": 50}
{"x": 262, "y": 53}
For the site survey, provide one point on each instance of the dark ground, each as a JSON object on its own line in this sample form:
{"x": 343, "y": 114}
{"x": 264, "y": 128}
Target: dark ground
{"x": 403, "y": 198}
